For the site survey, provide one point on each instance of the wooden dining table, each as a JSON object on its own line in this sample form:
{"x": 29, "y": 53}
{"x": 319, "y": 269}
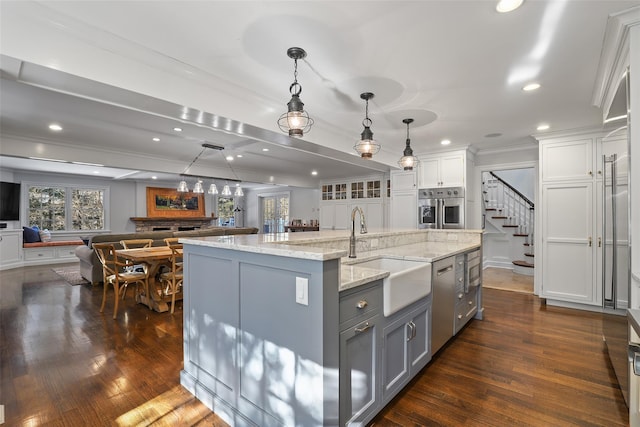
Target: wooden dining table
{"x": 154, "y": 257}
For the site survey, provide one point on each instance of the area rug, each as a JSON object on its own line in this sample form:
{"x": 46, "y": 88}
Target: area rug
{"x": 71, "y": 275}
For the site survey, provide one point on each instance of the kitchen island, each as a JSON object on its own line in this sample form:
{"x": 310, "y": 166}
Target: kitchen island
{"x": 284, "y": 329}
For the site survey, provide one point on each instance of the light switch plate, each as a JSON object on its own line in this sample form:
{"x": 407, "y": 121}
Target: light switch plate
{"x": 302, "y": 290}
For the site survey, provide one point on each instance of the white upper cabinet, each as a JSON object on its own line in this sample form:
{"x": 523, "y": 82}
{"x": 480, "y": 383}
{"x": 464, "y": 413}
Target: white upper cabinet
{"x": 403, "y": 180}
{"x": 444, "y": 170}
{"x": 567, "y": 161}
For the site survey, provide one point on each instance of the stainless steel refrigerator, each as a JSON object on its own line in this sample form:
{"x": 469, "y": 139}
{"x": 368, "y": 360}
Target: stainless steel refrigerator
{"x": 615, "y": 261}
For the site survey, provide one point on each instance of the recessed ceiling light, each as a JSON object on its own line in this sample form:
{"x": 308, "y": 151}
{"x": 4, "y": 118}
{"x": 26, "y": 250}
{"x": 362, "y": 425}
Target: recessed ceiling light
{"x": 493, "y": 135}
{"x": 239, "y": 155}
{"x": 229, "y": 158}
{"x": 156, "y": 139}
{"x": 531, "y": 86}
{"x": 314, "y": 173}
{"x": 445, "y": 142}
{"x": 265, "y": 149}
{"x": 154, "y": 177}
{"x": 505, "y": 6}
{"x": 96, "y": 172}
{"x": 55, "y": 127}
{"x": 543, "y": 127}
{"x": 177, "y": 129}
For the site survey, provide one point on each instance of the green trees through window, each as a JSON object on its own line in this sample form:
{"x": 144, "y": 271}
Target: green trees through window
{"x": 66, "y": 208}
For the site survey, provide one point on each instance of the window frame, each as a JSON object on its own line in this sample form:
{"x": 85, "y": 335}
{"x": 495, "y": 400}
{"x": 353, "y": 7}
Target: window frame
{"x": 68, "y": 220}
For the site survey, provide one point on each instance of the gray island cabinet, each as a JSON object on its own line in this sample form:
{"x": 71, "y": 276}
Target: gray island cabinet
{"x": 279, "y": 330}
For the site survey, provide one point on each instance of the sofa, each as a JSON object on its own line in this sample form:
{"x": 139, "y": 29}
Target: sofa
{"x": 91, "y": 269}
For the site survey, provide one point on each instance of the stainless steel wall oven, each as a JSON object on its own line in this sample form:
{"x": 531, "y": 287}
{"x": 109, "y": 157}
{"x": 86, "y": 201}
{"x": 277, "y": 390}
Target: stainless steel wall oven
{"x": 441, "y": 207}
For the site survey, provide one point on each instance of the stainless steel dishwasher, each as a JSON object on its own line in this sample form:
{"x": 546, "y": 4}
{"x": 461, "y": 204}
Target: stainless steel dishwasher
{"x": 443, "y": 287}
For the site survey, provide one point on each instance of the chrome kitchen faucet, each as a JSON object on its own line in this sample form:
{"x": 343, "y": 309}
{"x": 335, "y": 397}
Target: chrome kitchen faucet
{"x": 363, "y": 230}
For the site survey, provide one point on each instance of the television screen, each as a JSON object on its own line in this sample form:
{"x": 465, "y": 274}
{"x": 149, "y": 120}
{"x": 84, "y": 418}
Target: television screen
{"x": 9, "y": 201}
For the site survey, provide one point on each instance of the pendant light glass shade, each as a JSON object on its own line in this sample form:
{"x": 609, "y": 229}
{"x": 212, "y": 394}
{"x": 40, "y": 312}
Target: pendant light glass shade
{"x": 226, "y": 191}
{"x": 238, "y": 192}
{"x": 197, "y": 188}
{"x": 367, "y": 146}
{"x": 296, "y": 121}
{"x": 212, "y": 189}
{"x": 182, "y": 187}
{"x": 408, "y": 161}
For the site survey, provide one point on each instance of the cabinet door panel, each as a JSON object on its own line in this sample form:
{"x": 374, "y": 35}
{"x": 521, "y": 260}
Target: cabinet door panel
{"x": 429, "y": 173}
{"x": 327, "y": 216}
{"x": 395, "y": 367}
{"x": 358, "y": 357}
{"x": 568, "y": 272}
{"x": 420, "y": 350}
{"x": 567, "y": 161}
{"x": 343, "y": 216}
{"x": 452, "y": 171}
{"x": 568, "y": 211}
{"x": 404, "y": 209}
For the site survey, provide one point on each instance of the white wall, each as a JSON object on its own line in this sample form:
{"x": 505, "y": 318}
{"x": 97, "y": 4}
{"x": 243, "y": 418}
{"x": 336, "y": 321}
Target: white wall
{"x": 522, "y": 180}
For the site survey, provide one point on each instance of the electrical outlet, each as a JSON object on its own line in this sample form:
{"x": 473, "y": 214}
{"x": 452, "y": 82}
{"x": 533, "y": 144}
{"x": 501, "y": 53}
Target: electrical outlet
{"x": 302, "y": 290}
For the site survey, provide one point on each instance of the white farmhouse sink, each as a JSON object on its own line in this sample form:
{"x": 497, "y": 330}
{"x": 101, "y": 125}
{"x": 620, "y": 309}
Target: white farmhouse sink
{"x": 408, "y": 281}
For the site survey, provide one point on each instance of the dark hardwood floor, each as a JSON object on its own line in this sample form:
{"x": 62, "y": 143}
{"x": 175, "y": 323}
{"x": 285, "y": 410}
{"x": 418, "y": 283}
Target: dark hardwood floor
{"x": 62, "y": 363}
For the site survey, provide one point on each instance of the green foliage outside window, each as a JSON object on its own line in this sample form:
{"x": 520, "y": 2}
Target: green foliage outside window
{"x": 51, "y": 207}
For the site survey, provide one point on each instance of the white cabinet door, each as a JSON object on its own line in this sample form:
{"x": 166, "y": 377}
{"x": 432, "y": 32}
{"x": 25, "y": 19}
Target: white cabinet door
{"x": 429, "y": 170}
{"x": 452, "y": 170}
{"x": 374, "y": 214}
{"x": 10, "y": 248}
{"x": 327, "y": 216}
{"x": 446, "y": 170}
{"x": 404, "y": 209}
{"x": 403, "y": 180}
{"x": 568, "y": 243}
{"x": 571, "y": 160}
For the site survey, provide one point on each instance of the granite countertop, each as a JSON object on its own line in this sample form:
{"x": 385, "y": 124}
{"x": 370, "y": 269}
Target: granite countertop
{"x": 301, "y": 245}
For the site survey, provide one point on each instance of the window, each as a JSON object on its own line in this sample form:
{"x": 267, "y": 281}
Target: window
{"x": 373, "y": 189}
{"x": 357, "y": 190}
{"x": 225, "y": 212}
{"x": 327, "y": 192}
{"x": 66, "y": 208}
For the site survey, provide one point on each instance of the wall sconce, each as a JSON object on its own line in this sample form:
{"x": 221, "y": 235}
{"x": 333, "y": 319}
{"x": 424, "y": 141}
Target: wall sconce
{"x": 408, "y": 161}
{"x": 296, "y": 120}
{"x": 366, "y": 147}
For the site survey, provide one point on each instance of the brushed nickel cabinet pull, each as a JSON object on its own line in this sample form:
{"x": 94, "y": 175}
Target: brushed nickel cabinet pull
{"x": 366, "y": 326}
{"x": 362, "y": 304}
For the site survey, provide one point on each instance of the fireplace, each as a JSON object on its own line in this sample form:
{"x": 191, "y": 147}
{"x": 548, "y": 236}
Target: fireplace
{"x": 170, "y": 224}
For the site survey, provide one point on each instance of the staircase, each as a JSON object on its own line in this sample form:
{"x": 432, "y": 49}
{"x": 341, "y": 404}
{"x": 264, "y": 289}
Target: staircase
{"x": 509, "y": 210}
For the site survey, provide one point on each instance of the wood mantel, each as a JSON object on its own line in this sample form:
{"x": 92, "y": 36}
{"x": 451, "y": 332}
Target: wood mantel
{"x": 170, "y": 223}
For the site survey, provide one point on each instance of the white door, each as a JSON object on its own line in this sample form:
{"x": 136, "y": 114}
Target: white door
{"x": 404, "y": 209}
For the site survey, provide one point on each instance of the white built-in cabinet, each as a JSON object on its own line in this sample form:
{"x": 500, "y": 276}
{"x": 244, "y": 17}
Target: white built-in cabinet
{"x": 339, "y": 198}
{"x": 10, "y": 248}
{"x": 404, "y": 199}
{"x": 570, "y": 228}
{"x": 442, "y": 170}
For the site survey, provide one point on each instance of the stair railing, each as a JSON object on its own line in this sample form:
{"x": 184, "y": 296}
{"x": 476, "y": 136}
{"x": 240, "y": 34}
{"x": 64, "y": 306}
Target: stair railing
{"x": 509, "y": 202}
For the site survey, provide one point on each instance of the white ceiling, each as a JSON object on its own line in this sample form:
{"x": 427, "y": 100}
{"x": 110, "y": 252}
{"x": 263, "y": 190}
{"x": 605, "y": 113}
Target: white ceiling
{"x": 116, "y": 74}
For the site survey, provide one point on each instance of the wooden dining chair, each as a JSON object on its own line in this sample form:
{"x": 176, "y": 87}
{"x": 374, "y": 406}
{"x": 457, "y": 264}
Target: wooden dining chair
{"x": 173, "y": 279}
{"x": 133, "y": 244}
{"x": 113, "y": 273}
{"x": 171, "y": 241}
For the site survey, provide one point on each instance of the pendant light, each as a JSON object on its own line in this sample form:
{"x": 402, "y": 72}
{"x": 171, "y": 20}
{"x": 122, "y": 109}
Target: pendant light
{"x": 408, "y": 161}
{"x": 296, "y": 121}
{"x": 367, "y": 147}
{"x": 226, "y": 191}
{"x": 213, "y": 189}
{"x": 238, "y": 192}
{"x": 197, "y": 188}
